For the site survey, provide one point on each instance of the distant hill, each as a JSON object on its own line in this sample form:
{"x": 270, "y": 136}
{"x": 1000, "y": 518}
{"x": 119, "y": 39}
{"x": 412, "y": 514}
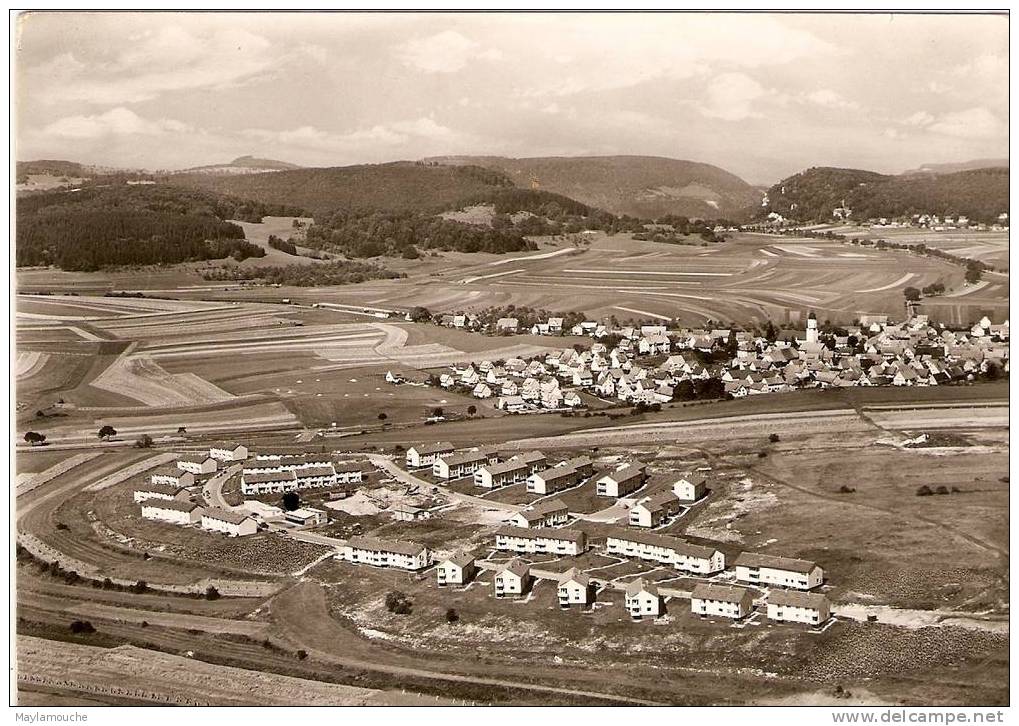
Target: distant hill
{"x": 54, "y": 167}
{"x": 812, "y": 195}
{"x": 640, "y": 186}
{"x": 242, "y": 165}
{"x": 959, "y": 166}
{"x": 398, "y": 186}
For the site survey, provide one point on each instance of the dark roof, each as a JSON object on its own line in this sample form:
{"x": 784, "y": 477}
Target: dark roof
{"x": 465, "y": 457}
{"x": 752, "y": 559}
{"x": 569, "y": 535}
{"x": 681, "y": 546}
{"x": 224, "y": 515}
{"x": 723, "y": 593}
{"x": 269, "y": 477}
{"x": 798, "y": 599}
{"x": 460, "y": 559}
{"x": 168, "y": 489}
{"x": 376, "y": 544}
{"x": 174, "y": 504}
{"x": 438, "y": 447}
{"x": 632, "y": 470}
{"x": 658, "y": 500}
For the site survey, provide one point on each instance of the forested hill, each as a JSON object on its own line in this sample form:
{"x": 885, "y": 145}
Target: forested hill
{"x": 813, "y": 195}
{"x": 104, "y": 226}
{"x": 395, "y": 187}
{"x": 639, "y": 186}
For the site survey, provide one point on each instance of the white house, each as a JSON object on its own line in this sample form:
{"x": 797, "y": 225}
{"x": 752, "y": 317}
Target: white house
{"x": 541, "y": 540}
{"x": 798, "y": 607}
{"x": 625, "y": 479}
{"x": 575, "y": 588}
{"x": 173, "y": 511}
{"x": 513, "y": 579}
{"x": 307, "y": 516}
{"x": 561, "y": 476}
{"x": 408, "y": 513}
{"x": 512, "y": 471}
{"x": 166, "y": 492}
{"x": 547, "y": 513}
{"x": 642, "y": 599}
{"x": 197, "y": 464}
{"x": 690, "y": 487}
{"x": 511, "y": 403}
{"x": 651, "y": 511}
{"x": 426, "y": 454}
{"x": 172, "y": 476}
{"x": 757, "y": 569}
{"x": 234, "y": 524}
{"x": 454, "y": 466}
{"x": 720, "y": 600}
{"x": 456, "y": 570}
{"x": 666, "y": 550}
{"x": 385, "y": 553}
{"x": 229, "y": 452}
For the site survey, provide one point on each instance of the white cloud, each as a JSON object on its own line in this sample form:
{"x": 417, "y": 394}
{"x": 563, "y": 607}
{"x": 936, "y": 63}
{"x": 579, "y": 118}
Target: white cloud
{"x": 390, "y": 135}
{"x": 169, "y": 59}
{"x": 732, "y": 97}
{"x": 115, "y": 122}
{"x": 828, "y": 98}
{"x": 445, "y": 52}
{"x": 974, "y": 123}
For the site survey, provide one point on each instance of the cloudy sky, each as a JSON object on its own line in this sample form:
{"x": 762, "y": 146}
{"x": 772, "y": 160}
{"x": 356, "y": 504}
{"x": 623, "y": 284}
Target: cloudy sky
{"x": 760, "y": 95}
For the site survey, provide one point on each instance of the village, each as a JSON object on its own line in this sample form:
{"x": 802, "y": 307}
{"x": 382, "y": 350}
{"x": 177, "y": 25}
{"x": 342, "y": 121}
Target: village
{"x": 653, "y": 364}
{"x": 528, "y": 544}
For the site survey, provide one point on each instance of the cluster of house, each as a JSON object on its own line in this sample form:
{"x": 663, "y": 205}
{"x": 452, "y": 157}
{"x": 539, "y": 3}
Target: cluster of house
{"x": 276, "y": 473}
{"x": 794, "y": 580}
{"x": 874, "y": 353}
{"x": 167, "y": 495}
{"x": 518, "y": 385}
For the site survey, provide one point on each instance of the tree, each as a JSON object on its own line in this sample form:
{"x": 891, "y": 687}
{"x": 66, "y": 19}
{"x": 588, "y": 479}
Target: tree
{"x": 144, "y": 442}
{"x": 383, "y": 416}
{"x": 182, "y": 429}
{"x": 34, "y": 437}
{"x": 437, "y": 412}
{"x": 302, "y": 654}
{"x": 452, "y": 616}
{"x": 911, "y": 294}
{"x": 773, "y": 438}
{"x": 107, "y": 432}
{"x": 139, "y": 587}
{"x": 973, "y": 273}
{"x": 211, "y": 593}
{"x": 398, "y": 603}
{"x": 291, "y": 501}
{"x": 419, "y": 314}
{"x": 472, "y": 409}
{"x": 82, "y": 626}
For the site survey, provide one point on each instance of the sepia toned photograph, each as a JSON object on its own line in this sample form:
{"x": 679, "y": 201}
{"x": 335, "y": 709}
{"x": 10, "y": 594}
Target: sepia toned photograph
{"x": 548, "y": 359}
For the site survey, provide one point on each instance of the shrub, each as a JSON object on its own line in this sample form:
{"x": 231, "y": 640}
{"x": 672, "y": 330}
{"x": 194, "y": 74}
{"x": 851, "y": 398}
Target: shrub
{"x": 941, "y": 490}
{"x": 82, "y": 626}
{"x": 924, "y": 491}
{"x": 762, "y": 454}
{"x": 847, "y": 489}
{"x": 773, "y": 438}
{"x": 452, "y": 616}
{"x": 398, "y": 603}
{"x": 211, "y": 593}
{"x": 302, "y": 654}
{"x": 139, "y": 587}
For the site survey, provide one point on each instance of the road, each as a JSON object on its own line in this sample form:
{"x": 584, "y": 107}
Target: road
{"x": 213, "y": 489}
{"x": 409, "y": 479}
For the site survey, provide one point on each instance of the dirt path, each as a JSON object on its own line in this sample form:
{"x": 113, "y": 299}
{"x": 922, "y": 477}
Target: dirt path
{"x": 318, "y": 633}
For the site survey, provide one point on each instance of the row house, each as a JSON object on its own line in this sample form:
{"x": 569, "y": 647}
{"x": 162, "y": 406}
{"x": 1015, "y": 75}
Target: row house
{"x": 548, "y": 513}
{"x": 198, "y": 465}
{"x": 670, "y": 551}
{"x": 626, "y": 479}
{"x": 165, "y": 492}
{"x": 426, "y": 454}
{"x": 791, "y": 606}
{"x": 651, "y": 511}
{"x": 564, "y": 475}
{"x": 230, "y": 523}
{"x": 541, "y": 540}
{"x": 229, "y": 452}
{"x": 513, "y": 471}
{"x": 455, "y": 466}
{"x": 758, "y": 569}
{"x": 171, "y": 476}
{"x": 172, "y": 511}
{"x": 710, "y": 600}
{"x": 379, "y": 552}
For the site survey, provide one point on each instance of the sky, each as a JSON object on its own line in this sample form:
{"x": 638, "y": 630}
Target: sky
{"x": 761, "y": 95}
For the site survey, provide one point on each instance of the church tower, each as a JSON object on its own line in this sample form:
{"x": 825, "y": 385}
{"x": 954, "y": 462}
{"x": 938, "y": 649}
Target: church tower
{"x": 811, "y": 328}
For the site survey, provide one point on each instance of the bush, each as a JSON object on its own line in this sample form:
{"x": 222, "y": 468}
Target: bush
{"x": 941, "y": 490}
{"x": 924, "y": 491}
{"x": 398, "y": 603}
{"x": 847, "y": 489}
{"x": 211, "y": 593}
{"x": 762, "y": 454}
{"x": 773, "y": 438}
{"x": 139, "y": 587}
{"x": 82, "y": 626}
{"x": 302, "y": 654}
{"x": 452, "y": 616}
